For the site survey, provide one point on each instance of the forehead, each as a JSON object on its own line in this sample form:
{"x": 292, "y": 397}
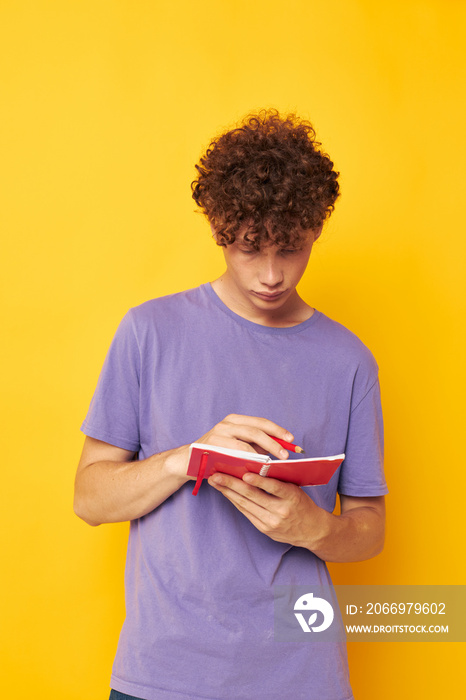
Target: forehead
{"x": 297, "y": 240}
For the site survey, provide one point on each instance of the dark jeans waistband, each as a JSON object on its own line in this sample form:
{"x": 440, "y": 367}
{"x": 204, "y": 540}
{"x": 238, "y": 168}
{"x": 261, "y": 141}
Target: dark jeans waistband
{"x": 116, "y": 695}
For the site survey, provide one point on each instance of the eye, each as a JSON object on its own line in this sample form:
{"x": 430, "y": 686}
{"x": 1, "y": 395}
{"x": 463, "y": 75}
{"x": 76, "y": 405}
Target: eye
{"x": 289, "y": 251}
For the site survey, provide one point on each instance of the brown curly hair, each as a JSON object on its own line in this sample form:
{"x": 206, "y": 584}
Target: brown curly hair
{"x": 269, "y": 174}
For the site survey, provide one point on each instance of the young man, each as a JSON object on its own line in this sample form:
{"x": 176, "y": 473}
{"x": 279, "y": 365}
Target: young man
{"x": 236, "y": 363}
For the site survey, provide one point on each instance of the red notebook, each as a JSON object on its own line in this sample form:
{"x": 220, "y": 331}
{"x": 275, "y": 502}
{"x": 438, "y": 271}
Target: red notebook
{"x": 204, "y": 460}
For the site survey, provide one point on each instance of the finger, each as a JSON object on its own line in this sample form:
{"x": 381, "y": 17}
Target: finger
{"x": 232, "y": 443}
{"x": 264, "y": 518}
{"x": 275, "y": 487}
{"x": 249, "y": 500}
{"x": 264, "y": 424}
{"x": 233, "y": 484}
{"x": 245, "y": 438}
{"x": 253, "y": 435}
{"x": 249, "y": 433}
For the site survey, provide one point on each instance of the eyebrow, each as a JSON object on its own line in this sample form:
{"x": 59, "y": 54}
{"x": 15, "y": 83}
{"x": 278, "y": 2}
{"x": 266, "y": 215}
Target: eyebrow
{"x": 246, "y": 244}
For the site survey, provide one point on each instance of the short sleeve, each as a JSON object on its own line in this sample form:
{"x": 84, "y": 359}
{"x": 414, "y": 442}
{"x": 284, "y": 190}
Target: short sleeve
{"x": 113, "y": 415}
{"x": 362, "y": 472}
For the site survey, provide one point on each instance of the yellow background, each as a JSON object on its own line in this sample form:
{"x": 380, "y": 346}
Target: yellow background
{"x": 105, "y": 108}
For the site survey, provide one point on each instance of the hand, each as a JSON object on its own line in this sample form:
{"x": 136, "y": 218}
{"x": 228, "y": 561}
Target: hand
{"x": 285, "y": 513}
{"x": 282, "y": 511}
{"x": 248, "y": 433}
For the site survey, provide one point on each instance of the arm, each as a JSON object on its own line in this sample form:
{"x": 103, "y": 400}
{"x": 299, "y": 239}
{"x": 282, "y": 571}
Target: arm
{"x": 286, "y": 513}
{"x": 111, "y": 487}
{"x": 358, "y": 533}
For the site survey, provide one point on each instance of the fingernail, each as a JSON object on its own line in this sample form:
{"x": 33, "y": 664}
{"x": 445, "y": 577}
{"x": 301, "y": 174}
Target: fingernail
{"x": 283, "y": 454}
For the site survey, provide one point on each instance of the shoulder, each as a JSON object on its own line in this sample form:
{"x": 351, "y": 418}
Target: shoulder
{"x": 342, "y": 342}
{"x": 166, "y": 310}
{"x": 345, "y": 357}
{"x": 170, "y": 302}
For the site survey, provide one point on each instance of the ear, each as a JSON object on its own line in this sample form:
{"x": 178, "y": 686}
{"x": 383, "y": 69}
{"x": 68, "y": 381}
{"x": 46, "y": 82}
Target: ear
{"x": 214, "y": 233}
{"x": 316, "y": 232}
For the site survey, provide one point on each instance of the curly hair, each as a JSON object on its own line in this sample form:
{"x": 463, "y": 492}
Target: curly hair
{"x": 270, "y": 175}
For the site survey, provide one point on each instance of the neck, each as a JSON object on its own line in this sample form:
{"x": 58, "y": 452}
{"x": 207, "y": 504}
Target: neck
{"x": 293, "y": 312}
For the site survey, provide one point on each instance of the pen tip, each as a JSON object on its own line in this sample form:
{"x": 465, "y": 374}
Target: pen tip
{"x": 300, "y": 450}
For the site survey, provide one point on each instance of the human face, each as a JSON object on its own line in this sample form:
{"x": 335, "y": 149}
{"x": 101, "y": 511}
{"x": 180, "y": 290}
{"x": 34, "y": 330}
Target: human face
{"x": 261, "y": 285}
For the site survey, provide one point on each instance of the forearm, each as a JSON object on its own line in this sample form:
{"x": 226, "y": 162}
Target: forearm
{"x": 110, "y": 488}
{"x": 110, "y": 491}
{"x": 352, "y": 536}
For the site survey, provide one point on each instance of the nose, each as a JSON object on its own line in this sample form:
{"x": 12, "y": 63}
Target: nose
{"x": 271, "y": 273}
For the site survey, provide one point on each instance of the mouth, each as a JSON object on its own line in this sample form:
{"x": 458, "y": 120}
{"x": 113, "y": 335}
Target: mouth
{"x": 269, "y": 296}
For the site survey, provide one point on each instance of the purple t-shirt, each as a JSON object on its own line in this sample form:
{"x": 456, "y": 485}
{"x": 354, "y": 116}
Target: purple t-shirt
{"x": 200, "y": 577}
